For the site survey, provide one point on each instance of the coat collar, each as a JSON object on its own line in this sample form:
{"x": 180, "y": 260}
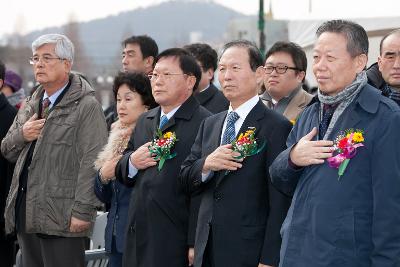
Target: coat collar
{"x": 76, "y": 89}
{"x": 206, "y": 95}
{"x": 368, "y": 99}
{"x": 185, "y": 112}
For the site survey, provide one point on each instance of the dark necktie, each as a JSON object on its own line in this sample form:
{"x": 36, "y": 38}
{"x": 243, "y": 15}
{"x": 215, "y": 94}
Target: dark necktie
{"x": 45, "y": 108}
{"x": 229, "y": 134}
{"x": 163, "y": 121}
{"x": 327, "y": 114}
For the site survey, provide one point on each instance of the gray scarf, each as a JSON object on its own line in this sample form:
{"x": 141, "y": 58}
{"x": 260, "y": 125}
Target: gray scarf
{"x": 344, "y": 98}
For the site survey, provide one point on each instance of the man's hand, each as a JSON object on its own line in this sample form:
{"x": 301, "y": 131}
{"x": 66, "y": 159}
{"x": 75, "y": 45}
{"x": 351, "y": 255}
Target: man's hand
{"x": 307, "y": 152}
{"x": 191, "y": 256}
{"x": 142, "y": 158}
{"x": 108, "y": 169}
{"x": 78, "y": 226}
{"x": 32, "y": 128}
{"x": 222, "y": 159}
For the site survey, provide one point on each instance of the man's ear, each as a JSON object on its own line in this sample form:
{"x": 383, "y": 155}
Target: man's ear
{"x": 260, "y": 75}
{"x": 1, "y": 83}
{"x": 361, "y": 62}
{"x": 210, "y": 74}
{"x": 67, "y": 65}
{"x": 190, "y": 82}
{"x": 380, "y": 63}
{"x": 148, "y": 61}
{"x": 300, "y": 76}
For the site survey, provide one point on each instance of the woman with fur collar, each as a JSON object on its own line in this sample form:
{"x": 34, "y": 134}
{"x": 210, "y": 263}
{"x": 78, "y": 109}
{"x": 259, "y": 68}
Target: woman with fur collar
{"x": 132, "y": 92}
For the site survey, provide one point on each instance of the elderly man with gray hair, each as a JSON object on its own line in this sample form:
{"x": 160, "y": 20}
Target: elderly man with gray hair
{"x": 54, "y": 141}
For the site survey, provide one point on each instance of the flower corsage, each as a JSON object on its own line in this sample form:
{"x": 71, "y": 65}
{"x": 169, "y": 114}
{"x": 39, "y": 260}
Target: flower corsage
{"x": 161, "y": 146}
{"x": 246, "y": 145}
{"x": 345, "y": 148}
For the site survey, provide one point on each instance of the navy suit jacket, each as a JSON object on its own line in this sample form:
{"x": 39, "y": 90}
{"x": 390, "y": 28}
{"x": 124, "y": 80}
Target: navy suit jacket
{"x": 354, "y": 221}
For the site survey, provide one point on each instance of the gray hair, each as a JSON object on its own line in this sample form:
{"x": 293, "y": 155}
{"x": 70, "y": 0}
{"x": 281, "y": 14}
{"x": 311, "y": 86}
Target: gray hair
{"x": 355, "y": 34}
{"x": 256, "y": 59}
{"x": 64, "y": 47}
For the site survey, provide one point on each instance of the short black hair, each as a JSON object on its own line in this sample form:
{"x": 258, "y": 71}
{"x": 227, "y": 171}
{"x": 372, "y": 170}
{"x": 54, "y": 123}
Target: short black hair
{"x": 355, "y": 34}
{"x": 187, "y": 62}
{"x": 294, "y": 50}
{"x": 2, "y": 70}
{"x": 137, "y": 82}
{"x": 203, "y": 53}
{"x": 255, "y": 57}
{"x": 148, "y": 46}
{"x": 397, "y": 31}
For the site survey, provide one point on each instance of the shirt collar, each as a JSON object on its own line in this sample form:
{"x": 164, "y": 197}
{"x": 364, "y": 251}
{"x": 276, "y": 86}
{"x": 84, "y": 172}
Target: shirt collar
{"x": 244, "y": 109}
{"x": 54, "y": 96}
{"x": 202, "y": 90}
{"x": 171, "y": 113}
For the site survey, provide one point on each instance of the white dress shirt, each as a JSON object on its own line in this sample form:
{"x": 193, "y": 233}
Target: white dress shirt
{"x": 243, "y": 110}
{"x": 54, "y": 96}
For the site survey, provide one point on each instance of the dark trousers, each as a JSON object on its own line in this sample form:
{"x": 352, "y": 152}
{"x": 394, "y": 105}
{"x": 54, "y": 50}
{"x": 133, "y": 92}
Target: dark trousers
{"x": 7, "y": 253}
{"x": 51, "y": 252}
{"x": 114, "y": 258}
{"x": 208, "y": 258}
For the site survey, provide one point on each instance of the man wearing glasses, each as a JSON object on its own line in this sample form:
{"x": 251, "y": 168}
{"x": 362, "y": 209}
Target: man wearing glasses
{"x": 285, "y": 70}
{"x": 159, "y": 212}
{"x": 54, "y": 141}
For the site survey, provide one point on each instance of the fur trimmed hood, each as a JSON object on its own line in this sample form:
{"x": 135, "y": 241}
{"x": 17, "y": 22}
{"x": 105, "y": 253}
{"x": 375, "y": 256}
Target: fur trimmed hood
{"x": 117, "y": 143}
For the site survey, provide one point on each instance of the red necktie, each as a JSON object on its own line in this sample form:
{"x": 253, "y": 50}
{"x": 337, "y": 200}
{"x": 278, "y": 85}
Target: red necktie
{"x": 45, "y": 108}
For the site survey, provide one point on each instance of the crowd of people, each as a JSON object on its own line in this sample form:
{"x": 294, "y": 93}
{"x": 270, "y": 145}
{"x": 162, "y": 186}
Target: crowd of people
{"x": 259, "y": 173}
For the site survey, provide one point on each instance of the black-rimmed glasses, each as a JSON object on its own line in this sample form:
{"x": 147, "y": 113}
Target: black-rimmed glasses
{"x": 280, "y": 69}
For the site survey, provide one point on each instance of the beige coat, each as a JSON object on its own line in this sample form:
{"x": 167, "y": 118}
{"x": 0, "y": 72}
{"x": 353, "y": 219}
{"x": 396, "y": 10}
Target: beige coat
{"x": 60, "y": 181}
{"x": 297, "y": 105}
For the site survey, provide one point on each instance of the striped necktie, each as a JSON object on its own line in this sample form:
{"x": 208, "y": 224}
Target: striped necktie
{"x": 163, "y": 121}
{"x": 229, "y": 134}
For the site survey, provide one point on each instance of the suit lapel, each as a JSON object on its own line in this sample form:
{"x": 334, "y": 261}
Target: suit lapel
{"x": 256, "y": 114}
{"x": 154, "y": 119}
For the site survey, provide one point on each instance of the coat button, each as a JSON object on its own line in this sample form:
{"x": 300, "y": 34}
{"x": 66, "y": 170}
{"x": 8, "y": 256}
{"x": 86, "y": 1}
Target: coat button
{"x": 217, "y": 196}
{"x": 116, "y": 217}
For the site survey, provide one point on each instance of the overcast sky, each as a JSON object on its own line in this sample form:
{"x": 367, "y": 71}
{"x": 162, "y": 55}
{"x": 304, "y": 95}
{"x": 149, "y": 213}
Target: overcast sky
{"x": 24, "y": 16}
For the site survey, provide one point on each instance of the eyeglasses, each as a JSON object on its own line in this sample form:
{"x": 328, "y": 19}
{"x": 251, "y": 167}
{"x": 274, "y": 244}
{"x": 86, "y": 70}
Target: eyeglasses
{"x": 280, "y": 69}
{"x": 166, "y": 76}
{"x": 46, "y": 59}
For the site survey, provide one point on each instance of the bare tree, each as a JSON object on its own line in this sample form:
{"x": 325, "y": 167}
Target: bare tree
{"x": 81, "y": 60}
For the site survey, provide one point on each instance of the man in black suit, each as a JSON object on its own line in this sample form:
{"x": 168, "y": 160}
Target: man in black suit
{"x": 207, "y": 94}
{"x": 159, "y": 208}
{"x": 241, "y": 212}
{"x": 7, "y": 114}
